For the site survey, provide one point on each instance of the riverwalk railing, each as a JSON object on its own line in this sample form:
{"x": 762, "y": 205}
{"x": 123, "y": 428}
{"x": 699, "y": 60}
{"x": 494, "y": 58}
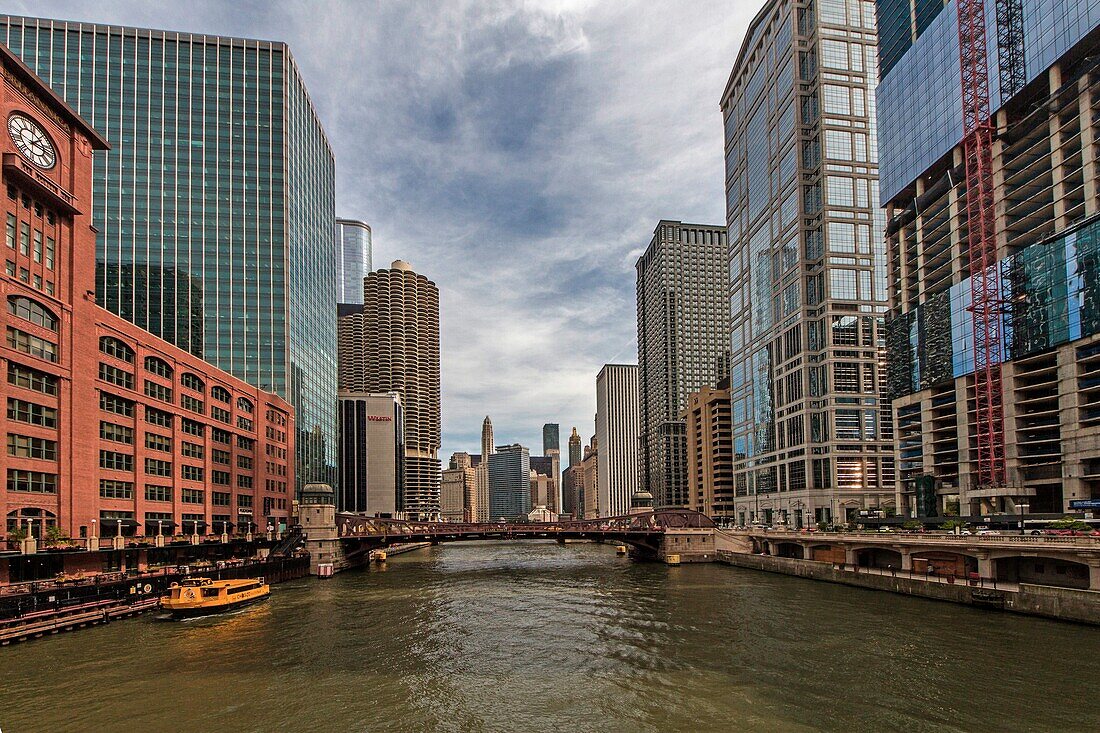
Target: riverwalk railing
{"x": 916, "y": 537}
{"x": 972, "y": 580}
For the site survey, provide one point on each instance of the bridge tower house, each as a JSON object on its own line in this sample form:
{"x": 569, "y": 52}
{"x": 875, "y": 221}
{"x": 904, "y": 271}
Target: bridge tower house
{"x": 317, "y": 513}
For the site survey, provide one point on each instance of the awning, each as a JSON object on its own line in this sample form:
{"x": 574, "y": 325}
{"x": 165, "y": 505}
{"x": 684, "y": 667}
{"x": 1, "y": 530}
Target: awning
{"x": 221, "y": 525}
{"x": 111, "y": 525}
{"x": 193, "y": 525}
{"x": 165, "y": 525}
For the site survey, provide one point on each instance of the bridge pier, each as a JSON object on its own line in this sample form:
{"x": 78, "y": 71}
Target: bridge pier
{"x": 322, "y": 539}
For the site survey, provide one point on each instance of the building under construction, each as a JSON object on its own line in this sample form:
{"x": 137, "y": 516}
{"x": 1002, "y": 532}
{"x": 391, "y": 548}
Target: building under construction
{"x": 989, "y": 126}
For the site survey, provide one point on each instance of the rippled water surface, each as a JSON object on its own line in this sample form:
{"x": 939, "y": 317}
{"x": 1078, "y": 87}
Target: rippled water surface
{"x": 541, "y": 637}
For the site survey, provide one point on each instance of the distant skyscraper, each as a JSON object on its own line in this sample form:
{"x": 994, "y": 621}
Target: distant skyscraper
{"x": 215, "y": 204}
{"x": 575, "y": 456}
{"x": 807, "y": 266}
{"x": 355, "y": 253}
{"x": 372, "y": 454}
{"x": 394, "y": 339}
{"x": 617, "y": 428}
{"x": 551, "y": 438}
{"x": 510, "y": 483}
{"x": 683, "y": 333}
{"x": 487, "y": 446}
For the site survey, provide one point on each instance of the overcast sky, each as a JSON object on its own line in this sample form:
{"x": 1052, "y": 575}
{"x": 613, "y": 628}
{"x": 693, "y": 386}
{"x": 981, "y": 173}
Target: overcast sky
{"x": 519, "y": 153}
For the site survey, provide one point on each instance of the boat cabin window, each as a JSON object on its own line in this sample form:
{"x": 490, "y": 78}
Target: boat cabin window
{"x": 209, "y": 592}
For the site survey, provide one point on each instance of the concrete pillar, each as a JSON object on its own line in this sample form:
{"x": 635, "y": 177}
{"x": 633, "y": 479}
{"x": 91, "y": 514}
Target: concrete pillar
{"x": 850, "y": 557}
{"x": 906, "y": 557}
{"x": 985, "y": 565}
{"x": 1088, "y": 139}
{"x": 1094, "y": 574}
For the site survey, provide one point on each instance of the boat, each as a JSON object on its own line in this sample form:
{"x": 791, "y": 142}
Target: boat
{"x": 203, "y": 596}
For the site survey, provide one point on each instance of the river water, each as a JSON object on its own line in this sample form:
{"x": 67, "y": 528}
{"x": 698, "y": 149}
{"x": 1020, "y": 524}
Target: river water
{"x": 542, "y": 637}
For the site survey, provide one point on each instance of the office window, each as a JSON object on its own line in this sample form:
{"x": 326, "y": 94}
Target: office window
{"x": 116, "y": 376}
{"x": 155, "y": 365}
{"x": 154, "y": 492}
{"x": 118, "y": 405}
{"x": 33, "y": 311}
{"x": 158, "y": 442}
{"x": 116, "y": 461}
{"x": 157, "y": 417}
{"x": 28, "y": 344}
{"x": 33, "y": 482}
{"x": 116, "y": 433}
{"x": 156, "y": 467}
{"x": 27, "y": 378}
{"x": 192, "y": 473}
{"x": 111, "y": 489}
{"x": 26, "y": 446}
{"x": 192, "y": 496}
{"x": 158, "y": 391}
{"x": 113, "y": 347}
{"x": 31, "y": 413}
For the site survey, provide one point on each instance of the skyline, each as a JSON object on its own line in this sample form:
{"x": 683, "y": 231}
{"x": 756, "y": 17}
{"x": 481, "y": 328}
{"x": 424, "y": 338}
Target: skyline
{"x": 445, "y": 166}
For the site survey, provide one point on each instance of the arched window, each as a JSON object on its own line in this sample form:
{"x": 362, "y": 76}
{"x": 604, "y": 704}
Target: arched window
{"x": 158, "y": 366}
{"x": 221, "y": 394}
{"x": 192, "y": 381}
{"x": 244, "y": 405}
{"x": 39, "y": 520}
{"x": 111, "y": 346}
{"x": 33, "y": 311}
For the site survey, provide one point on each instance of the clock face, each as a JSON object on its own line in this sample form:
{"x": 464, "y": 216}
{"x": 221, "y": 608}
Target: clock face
{"x": 32, "y": 141}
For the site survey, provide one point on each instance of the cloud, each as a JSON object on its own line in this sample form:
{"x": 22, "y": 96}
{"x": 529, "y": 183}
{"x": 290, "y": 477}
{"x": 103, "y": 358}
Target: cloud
{"x": 518, "y": 152}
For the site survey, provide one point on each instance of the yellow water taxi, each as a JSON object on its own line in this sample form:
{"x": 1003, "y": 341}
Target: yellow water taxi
{"x": 202, "y": 596}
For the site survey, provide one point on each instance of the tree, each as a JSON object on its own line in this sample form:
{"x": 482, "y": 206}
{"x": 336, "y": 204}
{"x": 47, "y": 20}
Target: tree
{"x": 951, "y": 524}
{"x": 1069, "y": 523}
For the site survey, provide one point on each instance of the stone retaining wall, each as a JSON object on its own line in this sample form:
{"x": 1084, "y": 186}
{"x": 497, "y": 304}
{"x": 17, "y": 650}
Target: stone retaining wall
{"x": 1065, "y": 604}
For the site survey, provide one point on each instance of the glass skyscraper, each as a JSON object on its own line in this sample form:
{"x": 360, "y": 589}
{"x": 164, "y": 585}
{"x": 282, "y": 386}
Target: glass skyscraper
{"x": 811, "y": 430}
{"x": 215, "y": 205}
{"x": 355, "y": 250}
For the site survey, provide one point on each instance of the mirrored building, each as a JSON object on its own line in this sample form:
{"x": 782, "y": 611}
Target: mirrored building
{"x": 811, "y": 428}
{"x": 355, "y": 250}
{"x": 215, "y": 204}
{"x": 1043, "y": 92}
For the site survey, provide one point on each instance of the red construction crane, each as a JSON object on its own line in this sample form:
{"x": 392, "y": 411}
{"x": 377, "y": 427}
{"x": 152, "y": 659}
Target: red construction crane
{"x": 985, "y": 281}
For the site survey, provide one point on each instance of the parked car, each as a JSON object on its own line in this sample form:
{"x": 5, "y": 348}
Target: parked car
{"x": 986, "y": 532}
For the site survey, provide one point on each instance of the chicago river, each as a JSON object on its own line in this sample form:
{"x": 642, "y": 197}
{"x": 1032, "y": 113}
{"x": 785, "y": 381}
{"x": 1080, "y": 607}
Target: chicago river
{"x": 538, "y": 636}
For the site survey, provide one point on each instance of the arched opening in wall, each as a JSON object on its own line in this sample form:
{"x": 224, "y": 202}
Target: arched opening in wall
{"x": 878, "y": 557}
{"x": 1042, "y": 571}
{"x": 37, "y": 520}
{"x": 790, "y": 549}
{"x": 945, "y": 564}
{"x": 828, "y": 553}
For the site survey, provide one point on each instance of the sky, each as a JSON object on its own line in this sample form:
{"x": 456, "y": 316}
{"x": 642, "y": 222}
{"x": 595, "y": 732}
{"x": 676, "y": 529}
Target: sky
{"x": 517, "y": 152}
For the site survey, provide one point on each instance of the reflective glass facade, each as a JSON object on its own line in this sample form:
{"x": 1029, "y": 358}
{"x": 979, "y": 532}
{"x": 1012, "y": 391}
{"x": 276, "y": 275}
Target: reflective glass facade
{"x": 806, "y": 266}
{"x": 215, "y": 205}
{"x": 920, "y": 114}
{"x": 1053, "y": 292}
{"x": 355, "y": 250}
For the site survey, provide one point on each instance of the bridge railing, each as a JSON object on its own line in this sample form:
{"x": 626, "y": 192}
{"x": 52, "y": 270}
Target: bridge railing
{"x": 658, "y": 521}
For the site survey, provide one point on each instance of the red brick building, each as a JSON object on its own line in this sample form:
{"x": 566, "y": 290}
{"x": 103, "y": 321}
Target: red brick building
{"x": 107, "y": 427}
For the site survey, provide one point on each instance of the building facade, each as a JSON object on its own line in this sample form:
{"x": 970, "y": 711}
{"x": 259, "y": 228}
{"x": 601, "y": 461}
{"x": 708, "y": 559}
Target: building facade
{"x": 683, "y": 337}
{"x": 355, "y": 253}
{"x": 551, "y": 438}
{"x": 575, "y": 454}
{"x": 710, "y": 453}
{"x": 372, "y": 454}
{"x": 588, "y": 490}
{"x": 109, "y": 429}
{"x": 215, "y": 204}
{"x": 391, "y": 344}
{"x": 509, "y": 471}
{"x": 812, "y": 429}
{"x": 462, "y": 468}
{"x": 1042, "y": 90}
{"x": 617, "y": 432}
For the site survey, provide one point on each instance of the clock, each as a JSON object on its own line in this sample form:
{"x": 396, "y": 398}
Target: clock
{"x": 32, "y": 141}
